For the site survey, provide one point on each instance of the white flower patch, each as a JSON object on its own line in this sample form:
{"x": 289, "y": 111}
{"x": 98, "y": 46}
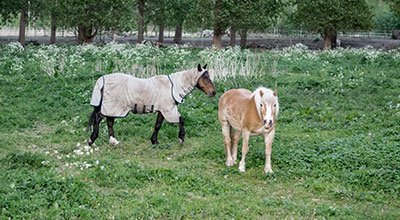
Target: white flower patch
{"x": 78, "y": 152}
{"x": 84, "y": 165}
{"x": 14, "y": 47}
{"x": 84, "y": 149}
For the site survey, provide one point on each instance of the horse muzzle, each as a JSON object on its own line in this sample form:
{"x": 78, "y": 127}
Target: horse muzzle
{"x": 268, "y": 124}
{"x": 211, "y": 94}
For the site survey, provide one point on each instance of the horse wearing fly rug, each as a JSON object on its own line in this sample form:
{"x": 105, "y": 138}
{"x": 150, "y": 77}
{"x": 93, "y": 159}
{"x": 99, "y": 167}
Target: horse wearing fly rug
{"x": 243, "y": 113}
{"x": 117, "y": 94}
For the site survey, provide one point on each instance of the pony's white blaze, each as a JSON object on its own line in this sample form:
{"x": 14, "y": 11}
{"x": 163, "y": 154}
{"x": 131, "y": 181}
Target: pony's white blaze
{"x": 269, "y": 117}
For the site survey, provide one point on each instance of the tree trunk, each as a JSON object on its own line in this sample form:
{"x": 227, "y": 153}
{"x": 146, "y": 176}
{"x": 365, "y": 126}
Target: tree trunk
{"x": 232, "y": 41}
{"x": 217, "y": 36}
{"x": 22, "y": 25}
{"x": 334, "y": 40}
{"x": 161, "y": 34}
{"x": 53, "y": 29}
{"x": 86, "y": 35}
{"x": 329, "y": 36}
{"x": 243, "y": 38}
{"x": 178, "y": 34}
{"x": 113, "y": 36}
{"x": 141, "y": 22}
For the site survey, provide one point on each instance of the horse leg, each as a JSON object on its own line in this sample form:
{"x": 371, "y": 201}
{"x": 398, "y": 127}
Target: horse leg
{"x": 235, "y": 135}
{"x": 181, "y": 135}
{"x": 110, "y": 126}
{"x": 268, "y": 138}
{"x": 245, "y": 149}
{"x": 226, "y": 131}
{"x": 160, "y": 119}
{"x": 96, "y": 118}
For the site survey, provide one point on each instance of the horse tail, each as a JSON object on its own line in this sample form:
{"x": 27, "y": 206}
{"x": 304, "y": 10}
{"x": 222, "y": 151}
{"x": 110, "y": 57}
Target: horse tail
{"x": 92, "y": 117}
{"x": 91, "y": 120}
{"x": 96, "y": 101}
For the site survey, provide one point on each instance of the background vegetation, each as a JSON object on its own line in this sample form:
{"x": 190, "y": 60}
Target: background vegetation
{"x": 88, "y": 18}
{"x": 336, "y": 153}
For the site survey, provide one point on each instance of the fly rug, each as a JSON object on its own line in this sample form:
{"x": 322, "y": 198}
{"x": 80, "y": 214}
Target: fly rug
{"x": 115, "y": 95}
{"x": 244, "y": 113}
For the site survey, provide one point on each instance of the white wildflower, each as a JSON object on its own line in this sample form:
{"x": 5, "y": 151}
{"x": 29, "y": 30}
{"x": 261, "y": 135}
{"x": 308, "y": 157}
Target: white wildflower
{"x": 78, "y": 152}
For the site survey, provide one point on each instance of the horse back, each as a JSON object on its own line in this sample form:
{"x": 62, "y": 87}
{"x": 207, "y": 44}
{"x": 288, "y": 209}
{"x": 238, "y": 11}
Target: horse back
{"x": 232, "y": 104}
{"x": 238, "y": 108}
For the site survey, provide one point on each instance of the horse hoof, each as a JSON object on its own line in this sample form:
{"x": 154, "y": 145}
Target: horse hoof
{"x": 242, "y": 168}
{"x": 181, "y": 141}
{"x": 154, "y": 142}
{"x": 230, "y": 163}
{"x": 113, "y": 141}
{"x": 89, "y": 142}
{"x": 266, "y": 171}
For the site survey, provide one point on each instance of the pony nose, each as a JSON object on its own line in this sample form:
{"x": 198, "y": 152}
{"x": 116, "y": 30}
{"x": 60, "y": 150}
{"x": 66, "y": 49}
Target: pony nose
{"x": 269, "y": 122}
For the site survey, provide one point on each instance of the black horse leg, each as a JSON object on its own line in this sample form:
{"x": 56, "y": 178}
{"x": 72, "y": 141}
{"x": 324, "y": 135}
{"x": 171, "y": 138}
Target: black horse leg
{"x": 160, "y": 119}
{"x": 181, "y": 135}
{"x": 110, "y": 126}
{"x": 97, "y": 117}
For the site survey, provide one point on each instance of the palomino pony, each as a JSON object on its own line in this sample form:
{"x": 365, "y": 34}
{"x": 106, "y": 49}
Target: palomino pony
{"x": 117, "y": 94}
{"x": 243, "y": 113}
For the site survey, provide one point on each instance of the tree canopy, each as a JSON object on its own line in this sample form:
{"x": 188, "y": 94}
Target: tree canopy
{"x": 89, "y": 17}
{"x": 327, "y": 17}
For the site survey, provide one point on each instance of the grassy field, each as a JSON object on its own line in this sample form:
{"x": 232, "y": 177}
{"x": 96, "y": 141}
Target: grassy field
{"x": 336, "y": 152}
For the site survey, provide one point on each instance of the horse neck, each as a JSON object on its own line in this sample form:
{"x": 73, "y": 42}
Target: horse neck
{"x": 184, "y": 81}
{"x": 251, "y": 114}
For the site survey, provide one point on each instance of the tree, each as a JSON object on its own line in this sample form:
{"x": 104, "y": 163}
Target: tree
{"x": 219, "y": 23}
{"x": 179, "y": 14}
{"x": 89, "y": 17}
{"x": 158, "y": 15}
{"x": 239, "y": 15}
{"x": 141, "y": 6}
{"x": 11, "y": 8}
{"x": 327, "y": 17}
{"x": 395, "y": 6}
{"x": 253, "y": 15}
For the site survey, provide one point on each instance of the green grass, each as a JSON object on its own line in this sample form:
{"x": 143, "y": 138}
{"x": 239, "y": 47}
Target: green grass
{"x": 336, "y": 152}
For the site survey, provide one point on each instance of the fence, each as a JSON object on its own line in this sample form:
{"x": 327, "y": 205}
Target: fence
{"x": 269, "y": 33}
{"x": 280, "y": 32}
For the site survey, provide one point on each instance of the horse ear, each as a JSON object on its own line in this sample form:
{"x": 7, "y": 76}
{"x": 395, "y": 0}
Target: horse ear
{"x": 261, "y": 93}
{"x": 276, "y": 89}
{"x": 199, "y": 67}
{"x": 205, "y": 66}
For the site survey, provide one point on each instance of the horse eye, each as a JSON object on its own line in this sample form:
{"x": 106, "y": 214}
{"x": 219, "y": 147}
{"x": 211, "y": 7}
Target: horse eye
{"x": 274, "y": 105}
{"x": 261, "y": 104}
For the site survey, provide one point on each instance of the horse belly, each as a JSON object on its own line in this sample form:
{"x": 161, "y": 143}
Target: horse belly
{"x": 142, "y": 109}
